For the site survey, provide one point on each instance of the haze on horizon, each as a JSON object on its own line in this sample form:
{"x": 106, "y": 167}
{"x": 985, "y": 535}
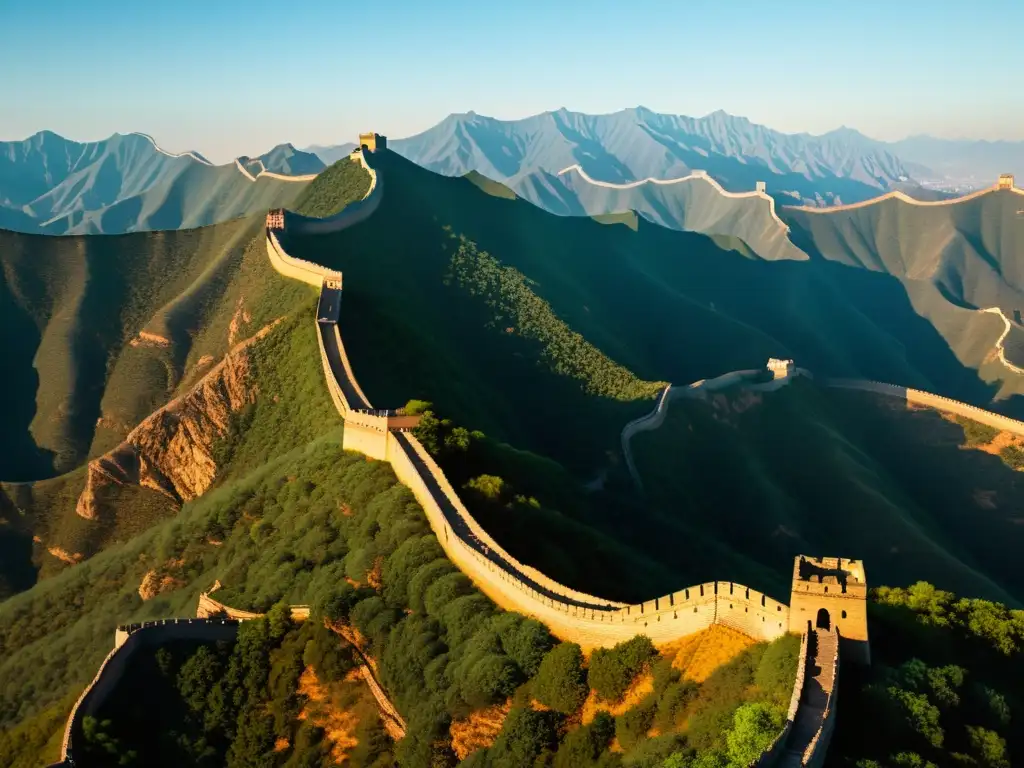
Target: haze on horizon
{"x": 236, "y": 78}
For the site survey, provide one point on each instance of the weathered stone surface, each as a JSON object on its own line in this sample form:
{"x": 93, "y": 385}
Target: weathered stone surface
{"x": 155, "y": 583}
{"x": 171, "y": 450}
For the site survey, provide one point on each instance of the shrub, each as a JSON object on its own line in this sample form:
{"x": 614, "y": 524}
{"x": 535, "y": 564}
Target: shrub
{"x": 777, "y": 668}
{"x": 488, "y": 487}
{"x": 580, "y": 748}
{"x": 525, "y": 640}
{"x": 976, "y": 433}
{"x": 524, "y": 736}
{"x": 612, "y": 670}
{"x": 491, "y": 679}
{"x": 988, "y": 746}
{"x": 632, "y": 726}
{"x": 673, "y": 703}
{"x": 755, "y": 726}
{"x": 561, "y": 682}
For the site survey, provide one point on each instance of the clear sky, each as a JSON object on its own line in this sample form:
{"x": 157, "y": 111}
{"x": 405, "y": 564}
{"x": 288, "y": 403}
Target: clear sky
{"x": 227, "y": 77}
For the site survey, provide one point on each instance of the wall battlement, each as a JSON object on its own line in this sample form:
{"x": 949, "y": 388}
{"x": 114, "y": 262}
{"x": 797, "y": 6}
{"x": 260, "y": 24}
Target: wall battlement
{"x": 569, "y": 614}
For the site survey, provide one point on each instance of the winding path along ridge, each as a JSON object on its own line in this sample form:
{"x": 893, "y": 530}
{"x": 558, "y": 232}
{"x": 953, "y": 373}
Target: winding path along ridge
{"x": 694, "y": 176}
{"x": 904, "y": 198}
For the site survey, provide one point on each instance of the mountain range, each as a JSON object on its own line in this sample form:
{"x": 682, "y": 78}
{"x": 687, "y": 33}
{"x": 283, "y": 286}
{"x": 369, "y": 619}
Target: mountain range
{"x": 842, "y": 165}
{"x": 171, "y": 428}
{"x": 126, "y": 183}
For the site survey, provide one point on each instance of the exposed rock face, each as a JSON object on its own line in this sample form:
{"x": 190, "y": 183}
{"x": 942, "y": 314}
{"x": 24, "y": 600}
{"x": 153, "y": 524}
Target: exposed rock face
{"x": 240, "y": 318}
{"x": 154, "y": 584}
{"x": 62, "y": 554}
{"x": 171, "y": 450}
{"x": 147, "y": 339}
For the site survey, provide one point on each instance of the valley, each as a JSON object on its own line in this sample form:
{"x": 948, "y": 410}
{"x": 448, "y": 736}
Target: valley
{"x": 532, "y": 334}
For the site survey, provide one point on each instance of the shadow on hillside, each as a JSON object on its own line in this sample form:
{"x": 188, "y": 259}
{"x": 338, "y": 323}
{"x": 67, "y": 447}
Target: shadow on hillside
{"x": 667, "y": 305}
{"x": 737, "y": 176}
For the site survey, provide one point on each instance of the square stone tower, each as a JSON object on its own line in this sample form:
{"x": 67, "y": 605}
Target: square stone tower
{"x": 373, "y": 141}
{"x": 780, "y": 369}
{"x": 760, "y": 187}
{"x": 275, "y": 219}
{"x": 831, "y": 593}
{"x": 1005, "y": 181}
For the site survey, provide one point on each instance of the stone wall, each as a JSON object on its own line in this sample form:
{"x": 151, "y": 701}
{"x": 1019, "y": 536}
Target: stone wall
{"x": 572, "y": 615}
{"x": 759, "y": 192}
{"x": 771, "y": 755}
{"x": 814, "y": 755}
{"x": 145, "y": 635}
{"x": 353, "y": 213}
{"x": 935, "y": 401}
{"x": 297, "y": 269}
{"x": 904, "y": 198}
{"x": 656, "y": 417}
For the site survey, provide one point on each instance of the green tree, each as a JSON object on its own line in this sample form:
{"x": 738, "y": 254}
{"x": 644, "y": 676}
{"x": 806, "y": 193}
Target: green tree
{"x": 524, "y": 736}
{"x": 631, "y": 726}
{"x": 988, "y": 746}
{"x": 755, "y": 727}
{"x": 612, "y": 670}
{"x": 489, "y": 487}
{"x": 919, "y": 714}
{"x": 561, "y": 681}
{"x": 582, "y": 747}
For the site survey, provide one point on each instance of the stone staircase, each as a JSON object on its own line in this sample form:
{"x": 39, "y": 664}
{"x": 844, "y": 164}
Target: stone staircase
{"x": 817, "y": 688}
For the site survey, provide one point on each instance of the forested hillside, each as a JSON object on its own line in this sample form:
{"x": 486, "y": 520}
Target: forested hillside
{"x": 919, "y": 495}
{"x": 548, "y": 334}
{"x": 101, "y": 333}
{"x": 126, "y": 183}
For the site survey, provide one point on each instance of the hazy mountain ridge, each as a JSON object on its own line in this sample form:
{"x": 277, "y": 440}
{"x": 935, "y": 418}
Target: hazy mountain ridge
{"x": 127, "y": 183}
{"x": 634, "y": 144}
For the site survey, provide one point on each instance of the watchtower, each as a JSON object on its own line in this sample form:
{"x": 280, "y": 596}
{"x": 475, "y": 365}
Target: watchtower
{"x": 832, "y": 592}
{"x": 760, "y": 187}
{"x": 372, "y": 141}
{"x": 780, "y": 369}
{"x": 1005, "y": 181}
{"x": 275, "y": 219}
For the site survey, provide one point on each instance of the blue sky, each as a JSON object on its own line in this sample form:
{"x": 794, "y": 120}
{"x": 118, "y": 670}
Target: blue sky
{"x": 227, "y": 77}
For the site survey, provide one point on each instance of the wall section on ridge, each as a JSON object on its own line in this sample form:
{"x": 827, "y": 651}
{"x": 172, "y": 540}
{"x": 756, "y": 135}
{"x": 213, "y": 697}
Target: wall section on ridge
{"x": 572, "y": 615}
{"x": 112, "y": 669}
{"x": 938, "y": 402}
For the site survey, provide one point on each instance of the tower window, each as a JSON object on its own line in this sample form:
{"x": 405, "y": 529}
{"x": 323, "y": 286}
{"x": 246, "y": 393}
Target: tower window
{"x": 844, "y": 614}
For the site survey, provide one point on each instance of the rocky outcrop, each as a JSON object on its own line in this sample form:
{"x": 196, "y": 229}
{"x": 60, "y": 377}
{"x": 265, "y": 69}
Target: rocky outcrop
{"x": 147, "y": 339}
{"x": 155, "y": 583}
{"x": 171, "y": 450}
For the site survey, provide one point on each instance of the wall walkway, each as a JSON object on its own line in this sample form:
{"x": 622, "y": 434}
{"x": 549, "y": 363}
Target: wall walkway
{"x": 939, "y": 402}
{"x": 1000, "y": 349}
{"x": 694, "y": 176}
{"x": 270, "y": 174}
{"x": 569, "y": 614}
{"x": 903, "y": 198}
{"x": 393, "y": 721}
{"x": 128, "y": 640}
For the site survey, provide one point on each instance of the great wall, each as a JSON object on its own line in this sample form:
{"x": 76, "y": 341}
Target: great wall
{"x": 264, "y": 173}
{"x": 827, "y": 621}
{"x": 1004, "y": 184}
{"x": 758, "y": 193}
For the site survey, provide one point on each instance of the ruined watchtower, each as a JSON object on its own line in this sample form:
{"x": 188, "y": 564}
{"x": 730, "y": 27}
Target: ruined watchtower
{"x": 831, "y": 593}
{"x": 1005, "y": 181}
{"x": 760, "y": 187}
{"x": 275, "y": 219}
{"x": 372, "y": 141}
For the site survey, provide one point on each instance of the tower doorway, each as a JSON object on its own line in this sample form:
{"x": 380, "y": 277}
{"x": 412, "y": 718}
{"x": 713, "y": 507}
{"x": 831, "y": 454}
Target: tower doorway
{"x": 824, "y": 620}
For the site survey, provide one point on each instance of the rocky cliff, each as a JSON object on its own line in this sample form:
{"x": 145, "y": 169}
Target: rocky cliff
{"x": 171, "y": 451}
